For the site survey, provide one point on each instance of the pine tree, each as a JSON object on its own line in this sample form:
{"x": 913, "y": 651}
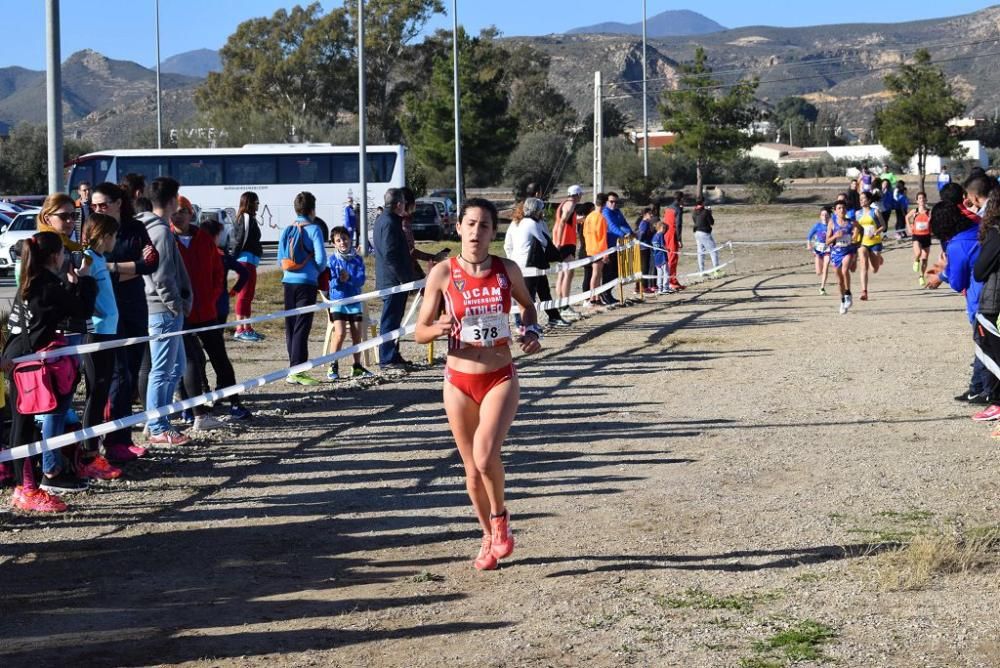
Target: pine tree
{"x": 916, "y": 121}
{"x": 710, "y": 125}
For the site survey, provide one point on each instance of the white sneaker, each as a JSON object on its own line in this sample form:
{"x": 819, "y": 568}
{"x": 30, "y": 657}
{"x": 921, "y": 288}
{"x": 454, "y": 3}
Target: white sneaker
{"x": 207, "y": 423}
{"x": 843, "y": 308}
{"x": 848, "y": 303}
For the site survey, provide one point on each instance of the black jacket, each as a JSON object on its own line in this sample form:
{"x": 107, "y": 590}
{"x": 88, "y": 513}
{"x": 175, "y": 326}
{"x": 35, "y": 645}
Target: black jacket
{"x": 33, "y": 323}
{"x": 393, "y": 262}
{"x": 703, "y": 220}
{"x": 246, "y": 236}
{"x": 987, "y": 271}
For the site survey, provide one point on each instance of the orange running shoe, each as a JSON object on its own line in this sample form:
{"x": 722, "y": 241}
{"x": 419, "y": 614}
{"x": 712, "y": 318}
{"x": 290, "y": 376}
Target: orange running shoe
{"x": 98, "y": 468}
{"x": 503, "y": 539}
{"x": 485, "y": 561}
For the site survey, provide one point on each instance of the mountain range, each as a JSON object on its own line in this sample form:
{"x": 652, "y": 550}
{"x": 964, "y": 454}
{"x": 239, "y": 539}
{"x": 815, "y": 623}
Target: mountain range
{"x": 840, "y": 68}
{"x": 671, "y": 23}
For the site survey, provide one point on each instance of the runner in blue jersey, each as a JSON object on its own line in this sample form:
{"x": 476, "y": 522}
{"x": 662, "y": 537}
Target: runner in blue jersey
{"x": 816, "y": 241}
{"x": 843, "y": 235}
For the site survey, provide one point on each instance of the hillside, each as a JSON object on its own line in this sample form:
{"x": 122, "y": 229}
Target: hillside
{"x": 103, "y": 99}
{"x": 197, "y": 63}
{"x": 838, "y": 67}
{"x": 671, "y": 23}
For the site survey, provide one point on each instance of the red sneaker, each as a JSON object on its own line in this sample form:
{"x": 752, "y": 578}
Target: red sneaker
{"x": 121, "y": 453}
{"x": 37, "y": 500}
{"x": 989, "y": 413}
{"x": 485, "y": 561}
{"x": 503, "y": 538}
{"x": 98, "y": 468}
{"x": 169, "y": 438}
{"x": 864, "y": 295}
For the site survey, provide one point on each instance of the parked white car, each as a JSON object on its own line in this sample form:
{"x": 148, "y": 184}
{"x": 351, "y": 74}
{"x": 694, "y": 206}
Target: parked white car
{"x": 22, "y": 227}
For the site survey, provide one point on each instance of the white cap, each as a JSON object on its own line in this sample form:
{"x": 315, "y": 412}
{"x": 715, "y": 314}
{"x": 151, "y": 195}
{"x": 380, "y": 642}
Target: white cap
{"x": 575, "y": 191}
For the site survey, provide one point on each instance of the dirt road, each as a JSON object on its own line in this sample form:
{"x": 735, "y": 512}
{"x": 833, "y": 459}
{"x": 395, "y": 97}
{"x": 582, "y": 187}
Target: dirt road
{"x": 717, "y": 478}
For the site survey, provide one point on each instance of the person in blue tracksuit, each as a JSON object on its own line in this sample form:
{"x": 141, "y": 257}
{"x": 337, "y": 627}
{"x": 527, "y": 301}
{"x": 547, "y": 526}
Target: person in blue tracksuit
{"x": 958, "y": 230}
{"x": 347, "y": 278}
{"x": 618, "y": 228}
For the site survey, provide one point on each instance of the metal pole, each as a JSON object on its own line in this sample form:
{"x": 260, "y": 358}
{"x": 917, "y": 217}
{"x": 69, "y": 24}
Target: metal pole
{"x": 53, "y": 96}
{"x": 458, "y": 112}
{"x": 159, "y": 113}
{"x": 645, "y": 102}
{"x": 362, "y": 131}
{"x": 598, "y": 133}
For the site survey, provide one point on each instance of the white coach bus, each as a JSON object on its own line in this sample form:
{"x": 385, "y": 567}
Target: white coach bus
{"x": 215, "y": 178}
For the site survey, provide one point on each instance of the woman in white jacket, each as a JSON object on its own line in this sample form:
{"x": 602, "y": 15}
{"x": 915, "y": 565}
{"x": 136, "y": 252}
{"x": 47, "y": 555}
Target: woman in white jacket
{"x": 525, "y": 243}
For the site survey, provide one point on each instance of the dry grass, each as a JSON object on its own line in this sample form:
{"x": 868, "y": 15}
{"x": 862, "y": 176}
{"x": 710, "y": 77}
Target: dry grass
{"x": 929, "y": 556}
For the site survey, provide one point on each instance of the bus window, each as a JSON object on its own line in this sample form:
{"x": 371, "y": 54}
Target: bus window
{"x": 304, "y": 169}
{"x": 250, "y": 170}
{"x": 380, "y": 166}
{"x": 345, "y": 167}
{"x": 195, "y": 171}
{"x": 94, "y": 170}
{"x": 148, "y": 167}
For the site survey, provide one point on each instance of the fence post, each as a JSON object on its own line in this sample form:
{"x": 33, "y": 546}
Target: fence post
{"x": 621, "y": 271}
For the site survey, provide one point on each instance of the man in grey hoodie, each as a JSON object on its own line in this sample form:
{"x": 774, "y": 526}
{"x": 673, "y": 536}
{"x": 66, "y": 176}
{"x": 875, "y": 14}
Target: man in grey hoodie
{"x": 169, "y": 298}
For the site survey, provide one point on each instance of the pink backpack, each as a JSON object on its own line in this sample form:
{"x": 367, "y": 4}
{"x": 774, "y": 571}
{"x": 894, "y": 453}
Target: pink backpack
{"x": 41, "y": 383}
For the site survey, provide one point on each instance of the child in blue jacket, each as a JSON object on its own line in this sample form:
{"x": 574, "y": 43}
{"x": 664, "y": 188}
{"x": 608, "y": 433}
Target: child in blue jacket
{"x": 660, "y": 259}
{"x": 347, "y": 277}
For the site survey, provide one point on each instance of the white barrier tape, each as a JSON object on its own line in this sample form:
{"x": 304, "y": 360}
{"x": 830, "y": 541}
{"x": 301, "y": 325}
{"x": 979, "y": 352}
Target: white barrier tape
{"x": 696, "y": 274}
{"x": 776, "y": 242}
{"x": 718, "y": 247}
{"x": 567, "y": 266}
{"x": 63, "y": 440}
{"x": 562, "y": 302}
{"x": 85, "y": 348}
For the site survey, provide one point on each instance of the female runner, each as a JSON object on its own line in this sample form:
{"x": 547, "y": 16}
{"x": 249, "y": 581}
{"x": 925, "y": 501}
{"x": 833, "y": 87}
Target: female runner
{"x": 870, "y": 252}
{"x": 844, "y": 234}
{"x": 481, "y": 391}
{"x": 919, "y": 222}
{"x": 816, "y": 242}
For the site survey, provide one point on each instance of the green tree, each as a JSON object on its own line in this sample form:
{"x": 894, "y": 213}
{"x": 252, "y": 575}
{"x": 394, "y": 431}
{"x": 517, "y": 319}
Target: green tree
{"x": 295, "y": 73}
{"x": 915, "y": 122}
{"x": 292, "y": 70}
{"x": 540, "y": 157}
{"x": 613, "y": 123}
{"x": 24, "y": 159}
{"x": 711, "y": 125}
{"x": 793, "y": 118}
{"x": 488, "y": 131}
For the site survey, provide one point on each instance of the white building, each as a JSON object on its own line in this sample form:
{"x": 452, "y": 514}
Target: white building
{"x": 872, "y": 154}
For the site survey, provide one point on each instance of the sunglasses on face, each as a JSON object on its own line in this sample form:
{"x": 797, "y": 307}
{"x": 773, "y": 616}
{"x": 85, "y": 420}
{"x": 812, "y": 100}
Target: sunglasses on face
{"x": 612, "y": 201}
{"x": 65, "y": 216}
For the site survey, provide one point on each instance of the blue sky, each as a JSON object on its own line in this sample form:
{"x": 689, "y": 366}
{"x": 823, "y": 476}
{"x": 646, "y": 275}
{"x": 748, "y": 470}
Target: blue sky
{"x": 127, "y": 32}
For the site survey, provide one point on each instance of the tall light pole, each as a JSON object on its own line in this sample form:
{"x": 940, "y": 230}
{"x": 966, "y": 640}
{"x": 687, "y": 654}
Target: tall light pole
{"x": 159, "y": 113}
{"x": 362, "y": 132}
{"x": 53, "y": 96}
{"x": 645, "y": 102}
{"x": 458, "y": 113}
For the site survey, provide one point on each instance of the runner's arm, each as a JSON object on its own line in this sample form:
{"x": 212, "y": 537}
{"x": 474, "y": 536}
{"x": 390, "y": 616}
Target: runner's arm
{"x": 429, "y": 325}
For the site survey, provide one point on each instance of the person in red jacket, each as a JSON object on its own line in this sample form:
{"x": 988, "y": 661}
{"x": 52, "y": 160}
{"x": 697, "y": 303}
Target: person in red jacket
{"x": 672, "y": 243}
{"x": 204, "y": 266}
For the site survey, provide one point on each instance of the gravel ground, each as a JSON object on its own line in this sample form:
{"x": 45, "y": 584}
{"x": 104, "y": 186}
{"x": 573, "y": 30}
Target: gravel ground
{"x": 688, "y": 478}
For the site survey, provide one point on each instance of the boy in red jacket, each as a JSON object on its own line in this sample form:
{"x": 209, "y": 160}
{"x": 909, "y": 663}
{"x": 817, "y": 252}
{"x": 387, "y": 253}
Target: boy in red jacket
{"x": 204, "y": 266}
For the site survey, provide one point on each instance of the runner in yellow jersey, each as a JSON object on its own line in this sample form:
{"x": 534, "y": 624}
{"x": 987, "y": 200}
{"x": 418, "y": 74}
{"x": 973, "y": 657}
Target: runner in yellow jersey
{"x": 870, "y": 251}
